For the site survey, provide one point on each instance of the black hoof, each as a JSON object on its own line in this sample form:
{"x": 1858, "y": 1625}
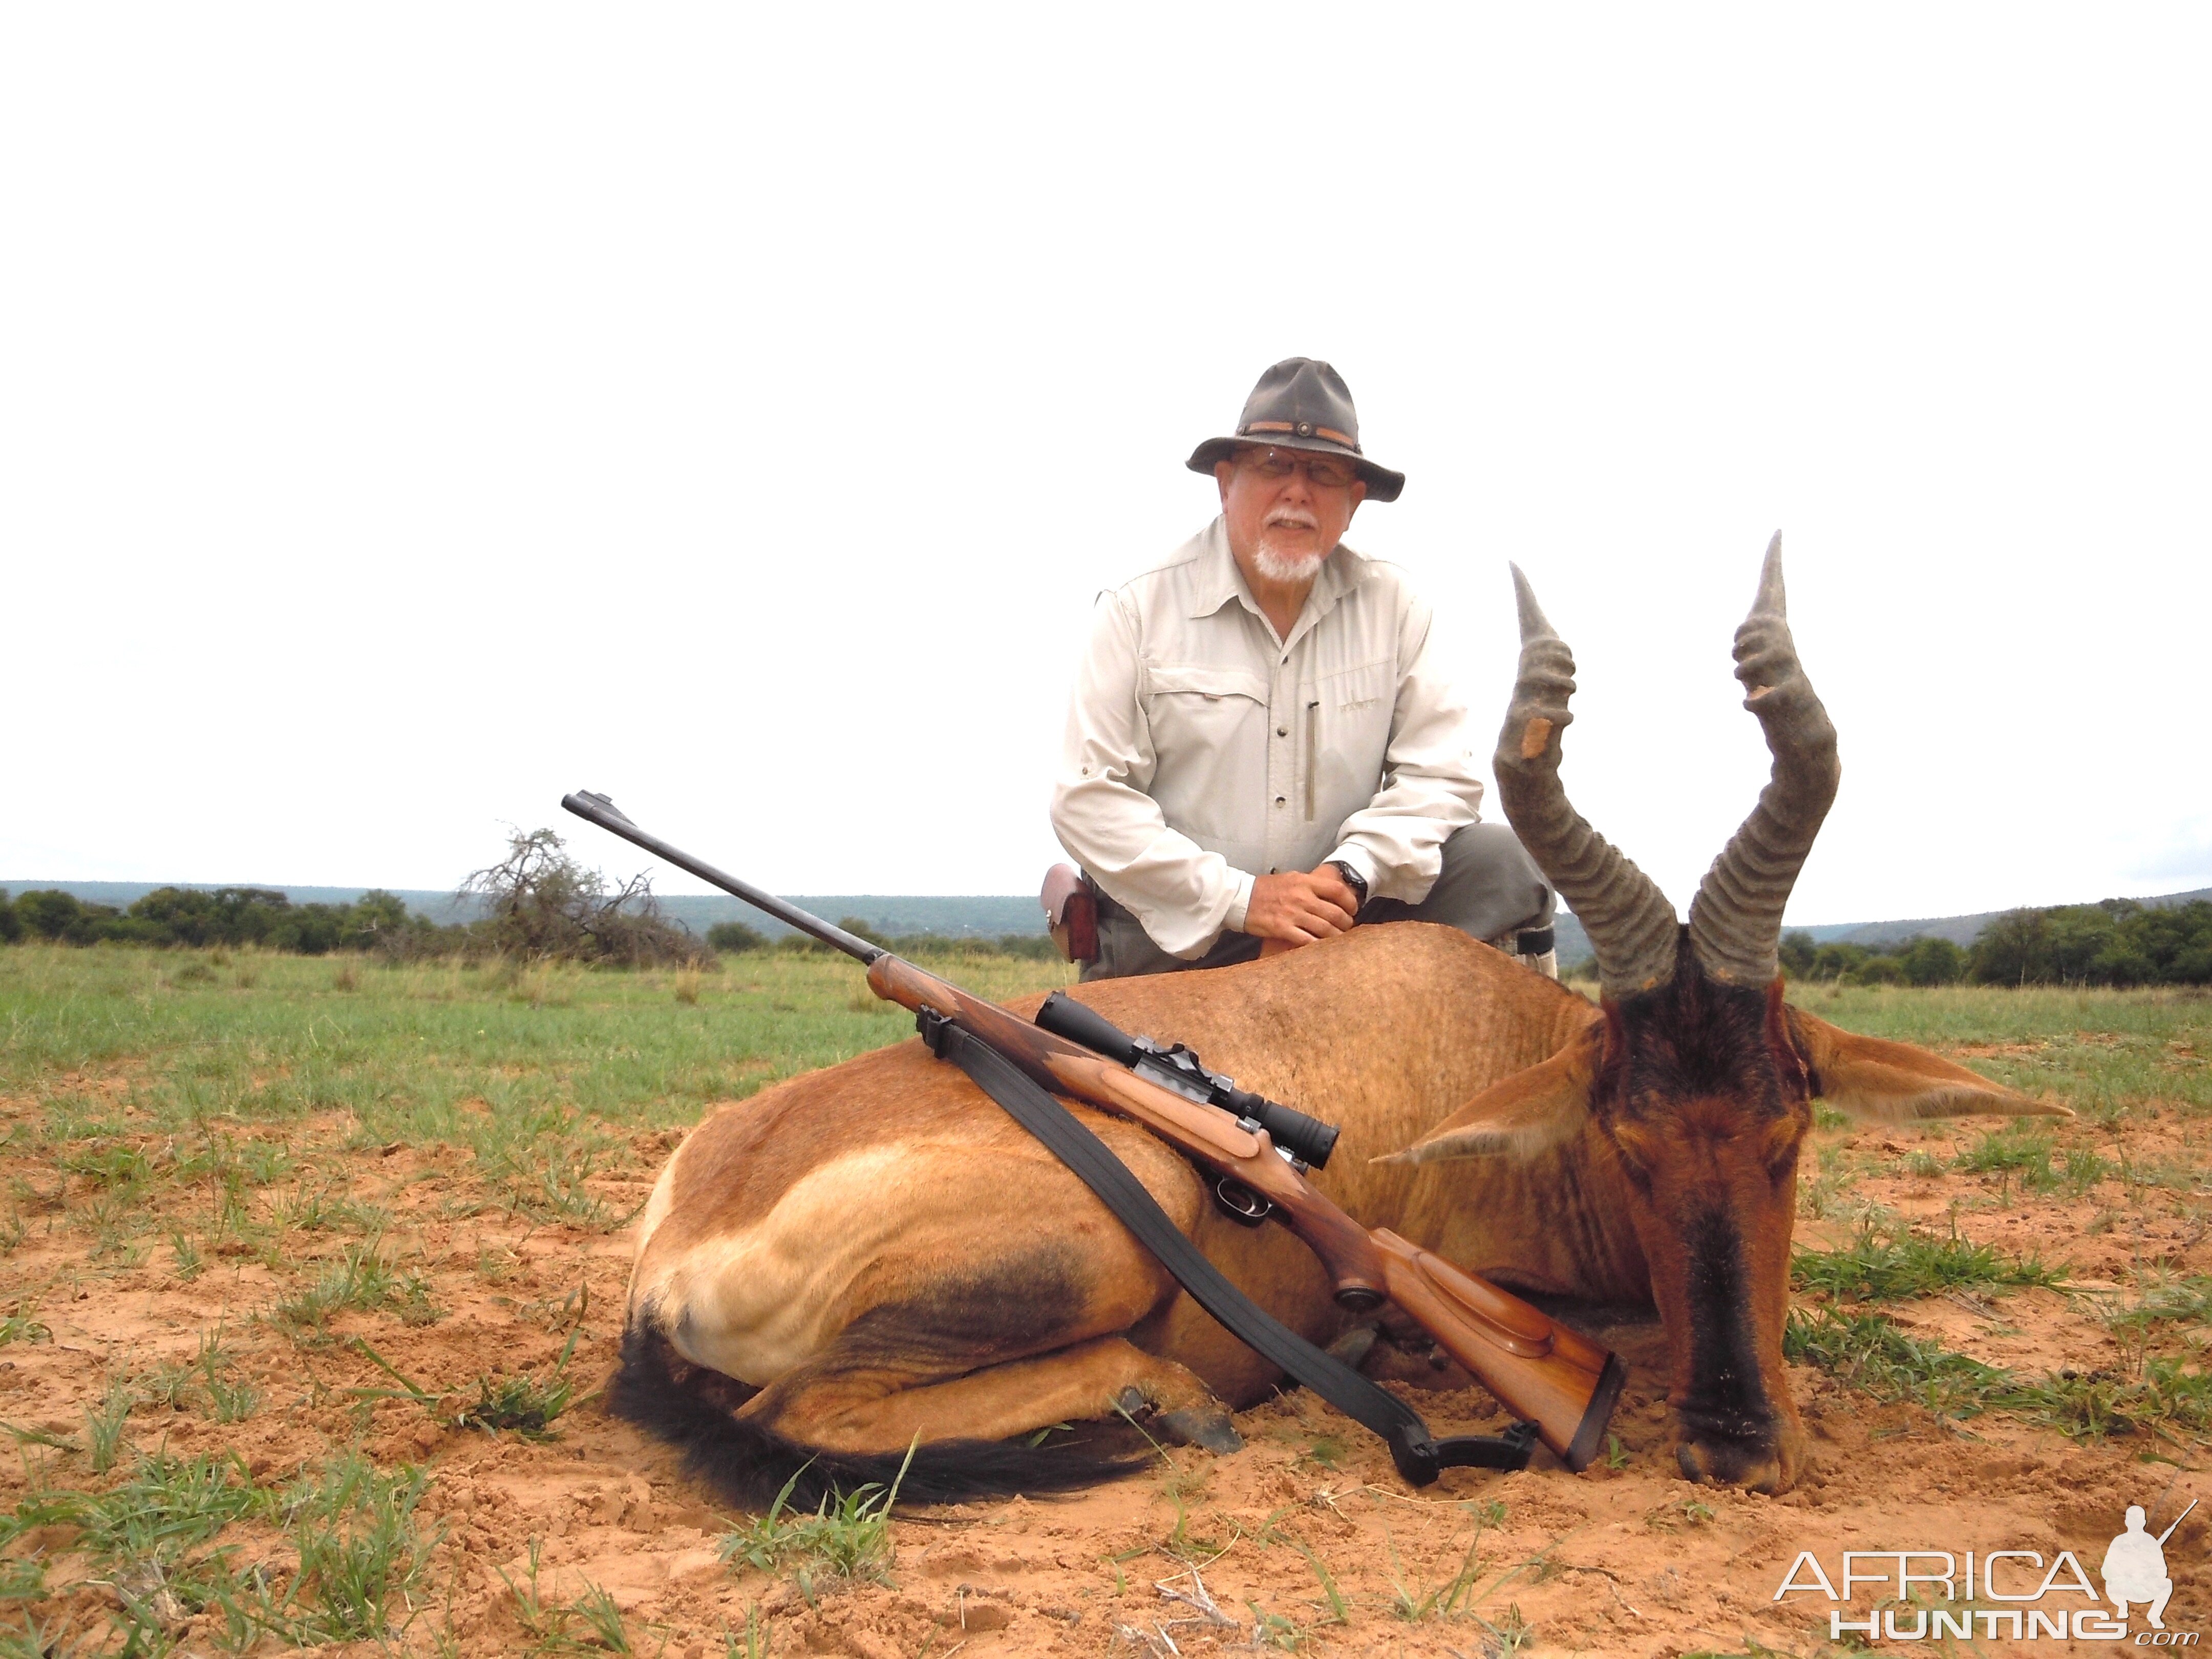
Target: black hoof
{"x": 1204, "y": 1426}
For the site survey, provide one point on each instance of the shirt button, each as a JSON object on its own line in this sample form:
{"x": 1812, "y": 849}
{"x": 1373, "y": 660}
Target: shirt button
{"x": 1278, "y": 801}
{"x": 1282, "y": 731}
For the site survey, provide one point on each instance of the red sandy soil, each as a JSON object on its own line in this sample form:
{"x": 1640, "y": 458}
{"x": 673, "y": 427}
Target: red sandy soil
{"x": 1626, "y": 1560}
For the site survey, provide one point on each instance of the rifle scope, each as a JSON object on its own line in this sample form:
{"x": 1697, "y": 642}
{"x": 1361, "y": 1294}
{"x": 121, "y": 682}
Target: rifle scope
{"x": 1181, "y": 1071}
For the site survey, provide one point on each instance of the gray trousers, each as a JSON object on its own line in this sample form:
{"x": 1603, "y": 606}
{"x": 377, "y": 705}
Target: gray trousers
{"x": 1490, "y": 887}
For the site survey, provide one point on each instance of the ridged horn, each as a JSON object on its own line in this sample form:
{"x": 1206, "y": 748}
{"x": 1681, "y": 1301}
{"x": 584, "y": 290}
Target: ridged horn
{"x": 1735, "y": 921}
{"x": 1632, "y": 927}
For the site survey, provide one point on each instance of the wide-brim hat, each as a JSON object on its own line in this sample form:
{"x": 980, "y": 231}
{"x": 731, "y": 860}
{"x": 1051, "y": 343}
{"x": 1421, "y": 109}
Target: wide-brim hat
{"x": 1301, "y": 403}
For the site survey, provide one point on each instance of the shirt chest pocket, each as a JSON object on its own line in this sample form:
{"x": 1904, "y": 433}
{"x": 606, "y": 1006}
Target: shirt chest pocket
{"x": 1351, "y": 713}
{"x": 1197, "y": 711}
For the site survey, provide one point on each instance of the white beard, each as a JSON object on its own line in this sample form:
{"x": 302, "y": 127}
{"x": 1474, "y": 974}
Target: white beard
{"x": 1279, "y": 568}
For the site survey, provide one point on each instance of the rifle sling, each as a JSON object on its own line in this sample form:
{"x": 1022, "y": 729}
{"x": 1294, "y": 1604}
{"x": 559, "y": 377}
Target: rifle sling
{"x": 1419, "y": 1454}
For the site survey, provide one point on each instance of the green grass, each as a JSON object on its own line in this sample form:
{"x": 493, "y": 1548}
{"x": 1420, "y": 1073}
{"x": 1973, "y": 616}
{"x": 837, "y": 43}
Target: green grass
{"x": 590, "y": 1623}
{"x": 21, "y": 1327}
{"x": 1868, "y": 1351}
{"x": 360, "y": 1280}
{"x": 360, "y": 1551}
{"x": 848, "y": 1536}
{"x": 415, "y": 1052}
{"x": 520, "y": 1404}
{"x": 1889, "y": 1260}
{"x": 1448, "y": 1598}
{"x": 1871, "y": 1353}
{"x": 164, "y": 1507}
{"x": 2099, "y": 1051}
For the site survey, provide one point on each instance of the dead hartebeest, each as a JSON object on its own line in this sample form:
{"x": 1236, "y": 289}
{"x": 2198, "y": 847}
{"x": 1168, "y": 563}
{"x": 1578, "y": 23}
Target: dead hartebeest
{"x": 875, "y": 1254}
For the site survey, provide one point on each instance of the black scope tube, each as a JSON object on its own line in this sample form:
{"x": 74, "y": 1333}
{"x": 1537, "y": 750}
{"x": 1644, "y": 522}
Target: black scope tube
{"x": 1303, "y": 1136}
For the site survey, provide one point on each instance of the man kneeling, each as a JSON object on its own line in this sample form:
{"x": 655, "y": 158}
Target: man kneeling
{"x": 1262, "y": 751}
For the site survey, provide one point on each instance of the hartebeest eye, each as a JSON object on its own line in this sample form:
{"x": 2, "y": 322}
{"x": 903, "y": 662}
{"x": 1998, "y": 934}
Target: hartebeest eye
{"x": 1638, "y": 1148}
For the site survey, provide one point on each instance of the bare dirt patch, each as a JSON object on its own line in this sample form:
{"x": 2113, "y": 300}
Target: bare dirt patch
{"x": 307, "y": 1257}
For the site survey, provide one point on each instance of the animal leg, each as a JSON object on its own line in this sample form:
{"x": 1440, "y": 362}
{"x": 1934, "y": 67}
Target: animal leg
{"x": 872, "y": 1407}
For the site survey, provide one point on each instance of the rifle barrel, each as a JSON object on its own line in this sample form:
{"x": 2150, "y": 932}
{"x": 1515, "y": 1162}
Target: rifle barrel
{"x": 597, "y": 809}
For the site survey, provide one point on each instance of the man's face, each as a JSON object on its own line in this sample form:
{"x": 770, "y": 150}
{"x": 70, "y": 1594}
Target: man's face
{"x": 1286, "y": 508}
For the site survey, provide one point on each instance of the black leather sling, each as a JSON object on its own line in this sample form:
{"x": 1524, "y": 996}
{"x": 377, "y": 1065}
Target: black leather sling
{"x": 1419, "y": 1455}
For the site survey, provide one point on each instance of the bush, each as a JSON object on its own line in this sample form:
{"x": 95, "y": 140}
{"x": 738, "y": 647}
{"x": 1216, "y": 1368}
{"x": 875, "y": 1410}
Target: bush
{"x": 1839, "y": 961}
{"x": 543, "y": 905}
{"x": 1931, "y": 962}
{"x": 1797, "y": 952}
{"x": 2118, "y": 941}
{"x": 49, "y": 914}
{"x": 201, "y": 917}
{"x": 735, "y": 939}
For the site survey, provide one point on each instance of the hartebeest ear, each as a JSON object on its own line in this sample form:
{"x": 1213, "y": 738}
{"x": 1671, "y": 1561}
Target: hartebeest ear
{"x": 1521, "y": 1116}
{"x": 1896, "y": 1083}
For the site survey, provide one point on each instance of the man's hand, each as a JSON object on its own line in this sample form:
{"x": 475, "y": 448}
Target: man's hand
{"x": 1293, "y": 909}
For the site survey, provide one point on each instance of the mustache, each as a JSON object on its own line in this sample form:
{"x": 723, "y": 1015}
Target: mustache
{"x": 1292, "y": 518}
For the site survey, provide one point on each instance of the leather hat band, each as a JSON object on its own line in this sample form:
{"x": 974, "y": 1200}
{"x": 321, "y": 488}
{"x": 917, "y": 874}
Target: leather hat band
{"x": 1299, "y": 429}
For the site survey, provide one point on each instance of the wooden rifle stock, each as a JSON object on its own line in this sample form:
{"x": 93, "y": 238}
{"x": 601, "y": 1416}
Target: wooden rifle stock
{"x": 1538, "y": 1369}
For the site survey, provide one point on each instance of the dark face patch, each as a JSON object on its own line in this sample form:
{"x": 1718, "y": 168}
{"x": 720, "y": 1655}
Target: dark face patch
{"x": 1695, "y": 1039}
{"x": 1705, "y": 1097}
{"x": 1726, "y": 1399}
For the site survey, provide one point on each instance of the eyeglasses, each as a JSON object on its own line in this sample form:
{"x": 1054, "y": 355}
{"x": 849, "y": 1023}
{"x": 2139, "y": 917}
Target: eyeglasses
{"x": 1323, "y": 471}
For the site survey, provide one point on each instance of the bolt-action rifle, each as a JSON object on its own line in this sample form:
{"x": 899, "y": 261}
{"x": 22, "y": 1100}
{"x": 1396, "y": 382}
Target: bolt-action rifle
{"x": 1555, "y": 1379}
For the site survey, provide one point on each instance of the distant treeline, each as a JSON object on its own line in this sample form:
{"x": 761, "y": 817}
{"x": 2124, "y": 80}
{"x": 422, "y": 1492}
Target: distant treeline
{"x": 539, "y": 904}
{"x": 2118, "y": 941}
{"x": 733, "y": 937}
{"x": 222, "y": 915}
{"x": 542, "y": 915}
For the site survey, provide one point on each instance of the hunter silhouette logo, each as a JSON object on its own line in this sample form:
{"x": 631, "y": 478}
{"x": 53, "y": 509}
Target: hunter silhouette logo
{"x": 1922, "y": 1594}
{"x": 2135, "y": 1566}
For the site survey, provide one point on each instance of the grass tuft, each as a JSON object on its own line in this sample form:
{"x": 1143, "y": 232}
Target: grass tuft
{"x": 21, "y": 1327}
{"x": 1890, "y": 1260}
{"x": 849, "y": 1534}
{"x": 362, "y": 1280}
{"x": 1871, "y": 1353}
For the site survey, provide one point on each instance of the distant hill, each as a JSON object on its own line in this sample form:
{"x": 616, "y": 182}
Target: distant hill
{"x": 984, "y": 915}
{"x": 1959, "y": 930}
{"x": 978, "y": 914}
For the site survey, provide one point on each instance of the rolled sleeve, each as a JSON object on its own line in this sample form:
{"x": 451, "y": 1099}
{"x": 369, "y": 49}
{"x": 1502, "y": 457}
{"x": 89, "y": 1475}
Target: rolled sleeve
{"x": 1184, "y": 895}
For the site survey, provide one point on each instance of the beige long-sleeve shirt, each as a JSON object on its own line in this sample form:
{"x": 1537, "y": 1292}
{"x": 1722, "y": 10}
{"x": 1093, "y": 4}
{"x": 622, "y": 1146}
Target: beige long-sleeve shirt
{"x": 1203, "y": 750}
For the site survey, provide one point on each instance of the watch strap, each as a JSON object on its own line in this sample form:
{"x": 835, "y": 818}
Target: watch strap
{"x": 1352, "y": 879}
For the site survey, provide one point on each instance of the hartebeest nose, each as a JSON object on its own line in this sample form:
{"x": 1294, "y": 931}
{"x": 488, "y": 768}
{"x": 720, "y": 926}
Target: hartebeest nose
{"x": 1748, "y": 1466}
{"x": 1766, "y": 1461}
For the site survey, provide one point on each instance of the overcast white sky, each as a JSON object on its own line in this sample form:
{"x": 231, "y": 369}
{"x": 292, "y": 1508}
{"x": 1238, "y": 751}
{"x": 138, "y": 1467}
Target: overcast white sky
{"x": 409, "y": 414}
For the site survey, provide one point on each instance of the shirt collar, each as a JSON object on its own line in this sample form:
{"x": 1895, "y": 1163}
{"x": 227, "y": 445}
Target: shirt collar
{"x": 1215, "y": 579}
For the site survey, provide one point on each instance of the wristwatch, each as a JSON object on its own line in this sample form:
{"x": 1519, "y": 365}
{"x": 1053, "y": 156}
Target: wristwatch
{"x": 1355, "y": 881}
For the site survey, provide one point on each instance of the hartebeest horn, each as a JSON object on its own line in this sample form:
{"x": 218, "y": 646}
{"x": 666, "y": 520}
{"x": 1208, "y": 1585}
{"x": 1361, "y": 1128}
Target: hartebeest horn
{"x": 1735, "y": 921}
{"x": 1632, "y": 927}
